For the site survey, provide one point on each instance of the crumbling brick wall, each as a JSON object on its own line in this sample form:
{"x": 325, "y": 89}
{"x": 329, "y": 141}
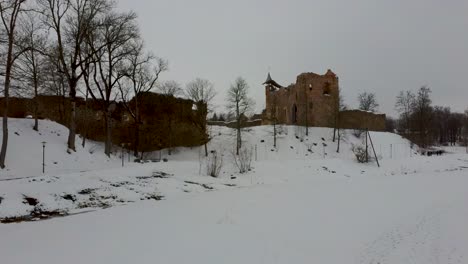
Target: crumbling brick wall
{"x": 358, "y": 119}
{"x": 166, "y": 121}
{"x": 312, "y": 100}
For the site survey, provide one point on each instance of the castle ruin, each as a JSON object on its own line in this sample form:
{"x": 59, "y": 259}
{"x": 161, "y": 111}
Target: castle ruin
{"x": 314, "y": 101}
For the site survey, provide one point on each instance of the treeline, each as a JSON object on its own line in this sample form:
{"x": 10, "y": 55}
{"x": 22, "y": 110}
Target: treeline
{"x": 84, "y": 50}
{"x": 426, "y": 124}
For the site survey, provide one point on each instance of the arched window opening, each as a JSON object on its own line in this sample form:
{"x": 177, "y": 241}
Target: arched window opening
{"x": 326, "y": 89}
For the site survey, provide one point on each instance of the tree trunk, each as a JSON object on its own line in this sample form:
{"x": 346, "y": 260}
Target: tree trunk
{"x": 136, "y": 143}
{"x": 274, "y": 134}
{"x": 108, "y": 143}
{"x": 36, "y": 106}
{"x": 36, "y": 120}
{"x": 206, "y": 137}
{"x": 137, "y": 139}
{"x": 5, "y": 131}
{"x": 239, "y": 139}
{"x": 339, "y": 140}
{"x": 6, "y": 99}
{"x": 72, "y": 127}
{"x": 169, "y": 151}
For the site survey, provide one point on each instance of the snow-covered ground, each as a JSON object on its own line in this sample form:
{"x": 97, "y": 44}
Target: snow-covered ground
{"x": 302, "y": 203}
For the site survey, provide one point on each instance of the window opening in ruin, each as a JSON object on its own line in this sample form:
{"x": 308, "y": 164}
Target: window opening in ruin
{"x": 294, "y": 114}
{"x": 326, "y": 89}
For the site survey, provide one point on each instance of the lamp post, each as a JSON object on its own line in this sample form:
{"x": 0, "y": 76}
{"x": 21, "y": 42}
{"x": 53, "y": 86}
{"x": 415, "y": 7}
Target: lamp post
{"x": 43, "y": 156}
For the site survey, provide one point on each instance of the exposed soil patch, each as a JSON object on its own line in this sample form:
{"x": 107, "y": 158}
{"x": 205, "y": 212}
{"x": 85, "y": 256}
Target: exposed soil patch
{"x": 153, "y": 196}
{"x": 120, "y": 184}
{"x": 155, "y": 175}
{"x": 69, "y": 197}
{"x": 87, "y": 191}
{"x": 30, "y": 200}
{"x": 200, "y": 184}
{"x": 36, "y": 215}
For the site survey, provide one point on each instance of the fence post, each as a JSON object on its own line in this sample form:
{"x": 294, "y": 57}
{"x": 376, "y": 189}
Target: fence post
{"x": 255, "y": 152}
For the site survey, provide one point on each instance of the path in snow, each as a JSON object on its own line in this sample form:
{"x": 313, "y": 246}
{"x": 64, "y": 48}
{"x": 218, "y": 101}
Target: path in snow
{"x": 418, "y": 241}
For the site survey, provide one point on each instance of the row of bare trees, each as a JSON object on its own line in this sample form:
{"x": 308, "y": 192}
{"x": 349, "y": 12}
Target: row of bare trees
{"x": 72, "y": 47}
{"x": 89, "y": 48}
{"x": 427, "y": 124}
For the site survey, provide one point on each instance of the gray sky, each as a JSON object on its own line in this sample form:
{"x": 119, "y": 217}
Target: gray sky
{"x": 382, "y": 46}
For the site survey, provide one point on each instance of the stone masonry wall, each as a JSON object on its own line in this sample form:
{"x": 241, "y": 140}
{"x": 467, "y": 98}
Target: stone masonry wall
{"x": 357, "y": 119}
{"x": 313, "y": 97}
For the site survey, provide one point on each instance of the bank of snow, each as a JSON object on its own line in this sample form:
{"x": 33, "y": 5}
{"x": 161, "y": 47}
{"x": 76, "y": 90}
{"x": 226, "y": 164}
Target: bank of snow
{"x": 24, "y": 154}
{"x": 295, "y": 212}
{"x": 301, "y": 203}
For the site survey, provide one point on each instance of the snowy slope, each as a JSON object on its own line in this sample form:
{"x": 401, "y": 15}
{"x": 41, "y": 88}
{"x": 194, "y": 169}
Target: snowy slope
{"x": 295, "y": 206}
{"x": 24, "y": 154}
{"x": 308, "y": 217}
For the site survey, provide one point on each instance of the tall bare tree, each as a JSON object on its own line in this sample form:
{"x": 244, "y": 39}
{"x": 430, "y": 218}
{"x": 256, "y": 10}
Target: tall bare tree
{"x": 10, "y": 11}
{"x": 202, "y": 92}
{"x": 405, "y": 103}
{"x": 110, "y": 45}
{"x": 368, "y": 102}
{"x": 171, "y": 88}
{"x": 274, "y": 119}
{"x": 239, "y": 103}
{"x": 72, "y": 21}
{"x": 31, "y": 68}
{"x": 142, "y": 73}
{"x": 423, "y": 113}
{"x": 338, "y": 106}
{"x": 55, "y": 82}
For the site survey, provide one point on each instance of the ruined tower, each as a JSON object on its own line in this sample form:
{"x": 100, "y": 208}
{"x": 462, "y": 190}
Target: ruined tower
{"x": 313, "y": 100}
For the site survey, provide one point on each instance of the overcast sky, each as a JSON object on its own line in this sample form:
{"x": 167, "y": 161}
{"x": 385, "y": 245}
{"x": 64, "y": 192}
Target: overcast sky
{"x": 381, "y": 46}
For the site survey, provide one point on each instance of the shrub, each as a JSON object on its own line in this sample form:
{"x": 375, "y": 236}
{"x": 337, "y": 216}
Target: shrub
{"x": 358, "y": 133}
{"x": 214, "y": 164}
{"x": 360, "y": 153}
{"x": 243, "y": 161}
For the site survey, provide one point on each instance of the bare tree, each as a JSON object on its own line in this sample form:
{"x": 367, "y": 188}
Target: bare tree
{"x": 274, "y": 119}
{"x": 31, "y": 68}
{"x": 142, "y": 72}
{"x": 423, "y": 112}
{"x": 10, "y": 11}
{"x": 171, "y": 88}
{"x": 239, "y": 104}
{"x": 367, "y": 102}
{"x": 202, "y": 92}
{"x": 465, "y": 129}
{"x": 110, "y": 44}
{"x": 405, "y": 103}
{"x": 72, "y": 21}
{"x": 338, "y": 106}
{"x": 55, "y": 82}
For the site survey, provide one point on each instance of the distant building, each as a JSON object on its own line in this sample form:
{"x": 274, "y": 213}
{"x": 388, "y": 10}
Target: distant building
{"x": 314, "y": 101}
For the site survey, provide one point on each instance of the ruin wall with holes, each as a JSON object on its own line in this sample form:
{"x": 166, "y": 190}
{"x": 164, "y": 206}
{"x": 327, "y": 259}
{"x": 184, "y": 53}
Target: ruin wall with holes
{"x": 312, "y": 100}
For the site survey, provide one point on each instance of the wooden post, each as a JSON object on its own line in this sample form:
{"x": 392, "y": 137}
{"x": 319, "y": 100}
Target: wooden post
{"x": 43, "y": 157}
{"x": 372, "y": 144}
{"x": 367, "y": 147}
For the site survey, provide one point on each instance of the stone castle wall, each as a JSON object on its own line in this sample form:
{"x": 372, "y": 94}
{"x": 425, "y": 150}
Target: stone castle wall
{"x": 313, "y": 97}
{"x": 166, "y": 121}
{"x": 358, "y": 119}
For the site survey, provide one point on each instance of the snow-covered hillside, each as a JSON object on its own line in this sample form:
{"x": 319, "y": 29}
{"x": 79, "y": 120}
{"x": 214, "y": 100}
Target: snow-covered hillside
{"x": 301, "y": 203}
{"x": 24, "y": 155}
